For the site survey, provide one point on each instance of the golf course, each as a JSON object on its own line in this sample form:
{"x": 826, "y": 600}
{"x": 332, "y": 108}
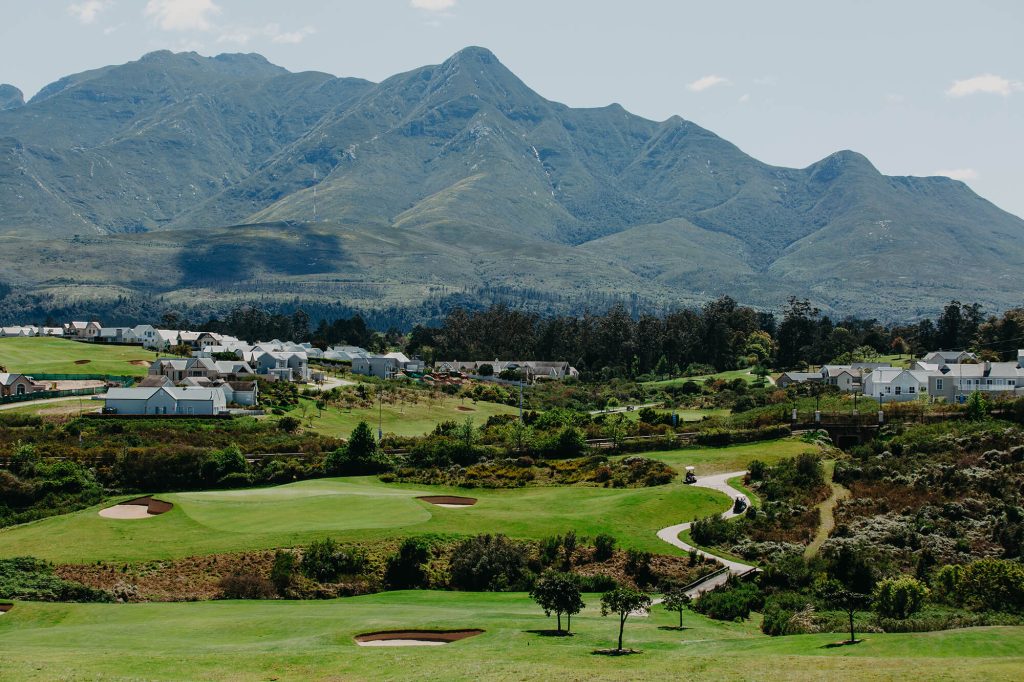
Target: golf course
{"x": 294, "y": 640}
{"x": 355, "y": 509}
{"x": 41, "y": 355}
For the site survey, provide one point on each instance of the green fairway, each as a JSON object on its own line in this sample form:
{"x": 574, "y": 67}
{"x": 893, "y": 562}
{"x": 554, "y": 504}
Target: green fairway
{"x": 294, "y": 640}
{"x": 27, "y": 355}
{"x": 708, "y": 460}
{"x": 406, "y": 419}
{"x": 360, "y": 508}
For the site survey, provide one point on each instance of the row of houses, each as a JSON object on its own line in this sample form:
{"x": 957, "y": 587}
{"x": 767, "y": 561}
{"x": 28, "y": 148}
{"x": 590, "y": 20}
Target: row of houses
{"x": 530, "y": 370}
{"x": 942, "y": 375}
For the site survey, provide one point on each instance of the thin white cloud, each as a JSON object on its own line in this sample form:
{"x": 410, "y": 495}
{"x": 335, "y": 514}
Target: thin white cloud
{"x": 242, "y": 35}
{"x": 744, "y": 98}
{"x": 433, "y": 5}
{"x": 182, "y": 15}
{"x": 293, "y": 37}
{"x": 112, "y": 29}
{"x": 87, "y": 11}
{"x": 702, "y": 84}
{"x": 986, "y": 83}
{"x": 895, "y": 98}
{"x": 964, "y": 174}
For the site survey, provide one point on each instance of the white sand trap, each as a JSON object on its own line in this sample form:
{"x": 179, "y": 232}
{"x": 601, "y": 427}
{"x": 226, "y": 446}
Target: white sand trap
{"x": 126, "y": 511}
{"x": 452, "y": 506}
{"x": 400, "y": 642}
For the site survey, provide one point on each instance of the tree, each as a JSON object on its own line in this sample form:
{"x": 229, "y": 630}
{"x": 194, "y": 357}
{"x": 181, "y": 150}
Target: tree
{"x": 558, "y": 593}
{"x": 900, "y": 346}
{"x": 898, "y": 597}
{"x": 485, "y": 370}
{"x": 320, "y": 405}
{"x": 835, "y": 594}
{"x": 676, "y": 599}
{"x": 361, "y": 443}
{"x": 662, "y": 368}
{"x": 624, "y": 601}
{"x": 182, "y": 350}
{"x": 977, "y": 407}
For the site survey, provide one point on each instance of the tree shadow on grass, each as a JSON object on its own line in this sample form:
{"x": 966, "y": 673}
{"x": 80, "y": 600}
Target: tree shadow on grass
{"x": 673, "y": 628}
{"x": 845, "y": 642}
{"x": 551, "y": 633}
{"x": 615, "y": 652}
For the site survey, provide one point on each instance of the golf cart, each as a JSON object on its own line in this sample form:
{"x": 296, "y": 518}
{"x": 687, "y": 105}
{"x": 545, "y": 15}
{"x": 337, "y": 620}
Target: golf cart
{"x": 690, "y": 477}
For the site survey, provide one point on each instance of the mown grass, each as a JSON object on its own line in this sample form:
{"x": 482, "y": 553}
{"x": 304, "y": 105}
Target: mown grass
{"x": 744, "y": 374}
{"x": 27, "y": 355}
{"x": 709, "y": 460}
{"x": 294, "y": 640}
{"x": 404, "y": 419}
{"x": 358, "y": 508}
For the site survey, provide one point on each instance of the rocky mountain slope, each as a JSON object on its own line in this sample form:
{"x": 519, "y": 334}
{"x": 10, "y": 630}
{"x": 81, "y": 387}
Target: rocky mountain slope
{"x": 179, "y": 174}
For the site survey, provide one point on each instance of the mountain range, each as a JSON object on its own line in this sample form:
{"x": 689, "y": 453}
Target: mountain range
{"x": 224, "y": 179}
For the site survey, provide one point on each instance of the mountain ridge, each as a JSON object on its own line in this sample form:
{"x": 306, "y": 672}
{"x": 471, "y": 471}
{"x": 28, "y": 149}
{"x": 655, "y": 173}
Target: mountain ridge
{"x": 467, "y": 157}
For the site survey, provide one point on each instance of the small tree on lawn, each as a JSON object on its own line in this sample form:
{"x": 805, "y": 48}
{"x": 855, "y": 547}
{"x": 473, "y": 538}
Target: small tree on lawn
{"x": 623, "y": 601}
{"x": 558, "y": 593}
{"x": 361, "y": 443}
{"x": 835, "y": 594}
{"x": 677, "y": 600}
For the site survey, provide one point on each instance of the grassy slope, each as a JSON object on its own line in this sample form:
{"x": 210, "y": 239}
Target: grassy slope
{"x": 284, "y": 640}
{"x": 354, "y": 509}
{"x": 405, "y": 419}
{"x": 724, "y": 376}
{"x": 732, "y": 458}
{"x": 58, "y": 356}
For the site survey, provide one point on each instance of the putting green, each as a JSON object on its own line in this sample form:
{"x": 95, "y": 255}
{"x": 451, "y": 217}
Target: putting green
{"x": 294, "y": 640}
{"x": 358, "y": 508}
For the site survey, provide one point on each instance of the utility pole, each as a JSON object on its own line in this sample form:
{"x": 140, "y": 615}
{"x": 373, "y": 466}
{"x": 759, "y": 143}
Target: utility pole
{"x": 520, "y": 396}
{"x": 380, "y": 413}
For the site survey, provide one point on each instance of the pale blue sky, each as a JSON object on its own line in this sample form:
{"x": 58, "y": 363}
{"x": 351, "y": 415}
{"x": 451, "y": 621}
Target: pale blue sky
{"x": 921, "y": 87}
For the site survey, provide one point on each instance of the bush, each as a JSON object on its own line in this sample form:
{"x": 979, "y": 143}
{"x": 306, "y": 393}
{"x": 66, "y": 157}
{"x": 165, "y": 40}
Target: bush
{"x": 289, "y": 424}
{"x": 992, "y": 584}
{"x": 597, "y": 583}
{"x": 406, "y": 569}
{"x": 779, "y": 614}
{"x": 730, "y": 602}
{"x": 604, "y": 547}
{"x": 899, "y": 597}
{"x": 714, "y": 530}
{"x": 282, "y": 571}
{"x": 324, "y": 560}
{"x": 246, "y": 586}
{"x": 490, "y": 562}
{"x": 30, "y": 579}
{"x": 638, "y": 566}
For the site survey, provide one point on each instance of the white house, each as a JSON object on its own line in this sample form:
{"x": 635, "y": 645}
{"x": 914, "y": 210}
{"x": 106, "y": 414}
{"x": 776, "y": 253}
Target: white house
{"x": 894, "y": 383}
{"x": 953, "y": 382}
{"x": 380, "y": 366}
{"x": 165, "y": 400}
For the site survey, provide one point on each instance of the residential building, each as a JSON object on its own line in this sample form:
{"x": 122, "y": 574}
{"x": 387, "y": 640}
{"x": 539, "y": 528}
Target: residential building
{"x": 790, "y": 378}
{"x": 165, "y": 400}
{"x": 896, "y": 384}
{"x": 380, "y": 366}
{"x": 954, "y": 382}
{"x": 949, "y": 357}
{"x": 18, "y": 384}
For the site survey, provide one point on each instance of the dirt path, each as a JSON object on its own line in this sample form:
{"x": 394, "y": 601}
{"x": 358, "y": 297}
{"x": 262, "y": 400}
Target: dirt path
{"x": 719, "y": 482}
{"x": 826, "y": 511}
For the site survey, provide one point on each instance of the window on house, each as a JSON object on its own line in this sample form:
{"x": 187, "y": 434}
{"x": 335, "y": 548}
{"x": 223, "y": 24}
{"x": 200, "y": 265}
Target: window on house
{"x": 912, "y": 389}
{"x": 888, "y": 389}
{"x": 899, "y": 390}
{"x": 938, "y": 384}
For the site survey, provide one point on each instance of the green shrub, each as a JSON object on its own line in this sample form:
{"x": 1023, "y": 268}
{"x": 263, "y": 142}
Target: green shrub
{"x": 325, "y": 560}
{"x": 730, "y": 602}
{"x": 246, "y": 586}
{"x": 406, "y": 569}
{"x": 30, "y": 579}
{"x": 490, "y": 562}
{"x": 604, "y": 547}
{"x": 899, "y": 597}
{"x": 282, "y": 571}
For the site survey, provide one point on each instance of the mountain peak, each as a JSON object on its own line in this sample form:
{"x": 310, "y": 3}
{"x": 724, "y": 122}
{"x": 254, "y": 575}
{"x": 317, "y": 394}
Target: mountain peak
{"x": 10, "y": 97}
{"x": 474, "y": 53}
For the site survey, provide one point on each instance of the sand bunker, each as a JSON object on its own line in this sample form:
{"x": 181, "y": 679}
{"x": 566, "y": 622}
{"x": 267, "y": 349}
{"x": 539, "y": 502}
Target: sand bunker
{"x": 449, "y": 501}
{"x": 139, "y": 363}
{"x": 139, "y": 508}
{"x": 414, "y": 637}
{"x": 4, "y": 608}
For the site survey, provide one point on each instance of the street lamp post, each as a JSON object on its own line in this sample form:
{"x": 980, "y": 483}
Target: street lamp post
{"x": 380, "y": 414}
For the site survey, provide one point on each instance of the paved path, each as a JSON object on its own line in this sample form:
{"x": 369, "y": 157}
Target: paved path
{"x": 625, "y": 408}
{"x": 334, "y": 382}
{"x": 43, "y": 401}
{"x": 716, "y": 482}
